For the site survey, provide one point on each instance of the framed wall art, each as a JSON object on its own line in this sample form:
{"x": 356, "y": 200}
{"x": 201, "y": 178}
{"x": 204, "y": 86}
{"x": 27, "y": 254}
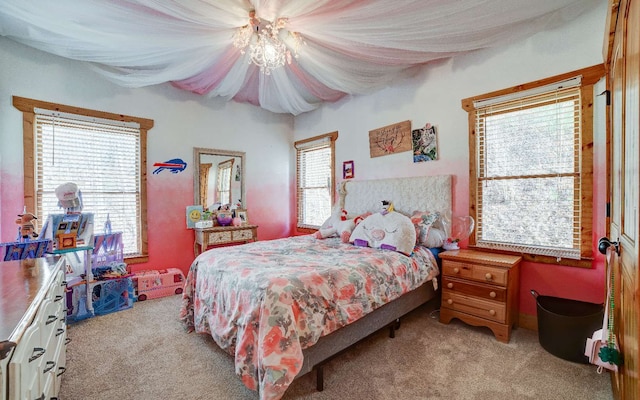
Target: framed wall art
{"x": 347, "y": 170}
{"x": 242, "y": 214}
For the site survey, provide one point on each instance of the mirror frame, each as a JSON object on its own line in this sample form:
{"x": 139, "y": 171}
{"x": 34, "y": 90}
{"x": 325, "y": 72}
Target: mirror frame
{"x": 199, "y": 151}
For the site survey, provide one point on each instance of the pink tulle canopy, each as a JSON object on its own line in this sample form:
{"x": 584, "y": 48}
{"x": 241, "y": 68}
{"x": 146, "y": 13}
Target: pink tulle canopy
{"x": 350, "y": 47}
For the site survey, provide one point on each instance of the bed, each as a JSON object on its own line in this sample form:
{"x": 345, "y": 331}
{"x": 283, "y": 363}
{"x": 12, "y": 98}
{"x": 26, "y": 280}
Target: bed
{"x": 283, "y": 307}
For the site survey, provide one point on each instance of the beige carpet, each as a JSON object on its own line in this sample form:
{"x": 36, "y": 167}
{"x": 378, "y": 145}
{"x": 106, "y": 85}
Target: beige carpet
{"x": 144, "y": 353}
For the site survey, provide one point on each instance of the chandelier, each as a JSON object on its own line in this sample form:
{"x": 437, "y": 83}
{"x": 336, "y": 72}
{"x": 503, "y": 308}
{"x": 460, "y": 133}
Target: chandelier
{"x": 266, "y": 49}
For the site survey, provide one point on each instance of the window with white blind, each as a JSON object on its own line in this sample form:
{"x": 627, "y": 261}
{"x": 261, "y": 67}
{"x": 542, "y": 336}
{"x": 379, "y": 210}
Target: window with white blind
{"x": 315, "y": 173}
{"x": 531, "y": 177}
{"x": 104, "y": 154}
{"x": 223, "y": 189}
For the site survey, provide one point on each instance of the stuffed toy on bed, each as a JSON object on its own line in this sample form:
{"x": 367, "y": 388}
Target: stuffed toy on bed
{"x": 339, "y": 225}
{"x": 389, "y": 231}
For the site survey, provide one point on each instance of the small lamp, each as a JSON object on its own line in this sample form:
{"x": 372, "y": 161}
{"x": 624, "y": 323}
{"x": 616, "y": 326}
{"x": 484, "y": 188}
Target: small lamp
{"x": 457, "y": 229}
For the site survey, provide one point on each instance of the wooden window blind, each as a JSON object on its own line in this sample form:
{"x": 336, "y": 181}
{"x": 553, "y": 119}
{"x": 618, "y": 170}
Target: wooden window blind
{"x": 103, "y": 158}
{"x": 315, "y": 173}
{"x": 528, "y": 174}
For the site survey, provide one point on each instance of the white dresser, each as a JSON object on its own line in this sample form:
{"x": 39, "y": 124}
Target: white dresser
{"x": 33, "y": 330}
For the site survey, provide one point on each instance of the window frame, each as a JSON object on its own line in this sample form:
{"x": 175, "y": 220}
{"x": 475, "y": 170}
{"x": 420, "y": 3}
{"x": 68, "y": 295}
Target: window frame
{"x": 590, "y": 76}
{"x": 28, "y": 106}
{"x": 304, "y": 144}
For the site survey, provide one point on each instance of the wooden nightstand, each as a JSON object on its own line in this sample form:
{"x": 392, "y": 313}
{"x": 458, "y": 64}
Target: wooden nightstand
{"x": 481, "y": 289}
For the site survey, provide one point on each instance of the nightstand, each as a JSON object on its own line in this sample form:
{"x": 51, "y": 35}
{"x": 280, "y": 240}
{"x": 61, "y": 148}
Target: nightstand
{"x": 481, "y": 289}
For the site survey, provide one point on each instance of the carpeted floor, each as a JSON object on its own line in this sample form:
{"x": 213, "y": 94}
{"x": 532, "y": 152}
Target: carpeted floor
{"x": 144, "y": 353}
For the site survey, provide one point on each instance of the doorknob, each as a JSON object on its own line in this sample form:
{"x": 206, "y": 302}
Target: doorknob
{"x": 604, "y": 243}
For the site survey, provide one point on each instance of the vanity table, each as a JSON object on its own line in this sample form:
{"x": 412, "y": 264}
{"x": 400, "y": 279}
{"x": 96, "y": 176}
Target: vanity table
{"x": 216, "y": 235}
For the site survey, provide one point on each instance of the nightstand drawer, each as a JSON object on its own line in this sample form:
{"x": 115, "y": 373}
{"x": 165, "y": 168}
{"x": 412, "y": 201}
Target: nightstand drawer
{"x": 479, "y": 273}
{"x": 488, "y": 292}
{"x": 474, "y": 306}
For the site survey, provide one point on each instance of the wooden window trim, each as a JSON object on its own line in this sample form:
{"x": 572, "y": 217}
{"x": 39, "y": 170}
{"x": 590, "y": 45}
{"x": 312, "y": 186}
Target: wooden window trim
{"x": 27, "y": 107}
{"x": 590, "y": 76}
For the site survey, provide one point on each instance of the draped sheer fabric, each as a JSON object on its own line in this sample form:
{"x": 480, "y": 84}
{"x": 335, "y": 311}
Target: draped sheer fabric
{"x": 351, "y": 47}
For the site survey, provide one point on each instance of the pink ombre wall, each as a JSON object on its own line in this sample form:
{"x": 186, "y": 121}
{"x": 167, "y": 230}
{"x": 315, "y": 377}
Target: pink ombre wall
{"x": 182, "y": 121}
{"x": 434, "y": 95}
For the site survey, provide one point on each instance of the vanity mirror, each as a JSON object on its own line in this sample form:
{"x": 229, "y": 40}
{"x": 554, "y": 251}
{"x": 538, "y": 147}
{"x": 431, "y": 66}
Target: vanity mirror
{"x": 218, "y": 178}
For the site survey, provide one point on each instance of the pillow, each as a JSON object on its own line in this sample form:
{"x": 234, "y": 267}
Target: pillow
{"x": 423, "y": 221}
{"x": 392, "y": 231}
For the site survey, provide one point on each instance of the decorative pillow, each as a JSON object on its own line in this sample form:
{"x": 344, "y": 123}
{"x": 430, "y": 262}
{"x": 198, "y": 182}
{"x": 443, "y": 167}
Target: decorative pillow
{"x": 423, "y": 221}
{"x": 391, "y": 231}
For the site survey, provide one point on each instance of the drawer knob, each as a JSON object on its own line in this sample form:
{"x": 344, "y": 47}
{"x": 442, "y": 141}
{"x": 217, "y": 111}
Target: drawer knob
{"x": 492, "y": 294}
{"x": 492, "y": 312}
{"x": 488, "y": 276}
{"x": 450, "y": 285}
{"x": 456, "y": 270}
{"x": 449, "y": 301}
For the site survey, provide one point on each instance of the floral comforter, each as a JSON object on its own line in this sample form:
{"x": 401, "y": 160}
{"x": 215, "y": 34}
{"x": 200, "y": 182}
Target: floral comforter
{"x": 264, "y": 302}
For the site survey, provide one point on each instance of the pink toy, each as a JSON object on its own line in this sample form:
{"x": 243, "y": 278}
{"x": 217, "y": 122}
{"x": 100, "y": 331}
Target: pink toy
{"x": 151, "y": 284}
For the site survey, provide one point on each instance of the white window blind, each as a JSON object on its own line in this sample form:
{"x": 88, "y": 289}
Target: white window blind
{"x": 314, "y": 181}
{"x": 103, "y": 158}
{"x": 528, "y": 167}
{"x": 224, "y": 182}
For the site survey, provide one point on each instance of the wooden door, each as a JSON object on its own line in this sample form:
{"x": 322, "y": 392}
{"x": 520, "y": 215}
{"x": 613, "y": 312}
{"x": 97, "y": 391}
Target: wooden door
{"x": 624, "y": 183}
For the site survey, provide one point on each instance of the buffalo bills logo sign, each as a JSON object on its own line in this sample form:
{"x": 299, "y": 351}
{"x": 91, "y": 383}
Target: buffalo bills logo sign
{"x": 174, "y": 165}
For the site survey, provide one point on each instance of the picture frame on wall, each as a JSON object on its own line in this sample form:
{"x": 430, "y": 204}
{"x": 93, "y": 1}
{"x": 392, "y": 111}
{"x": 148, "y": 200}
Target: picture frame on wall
{"x": 347, "y": 170}
{"x": 242, "y": 214}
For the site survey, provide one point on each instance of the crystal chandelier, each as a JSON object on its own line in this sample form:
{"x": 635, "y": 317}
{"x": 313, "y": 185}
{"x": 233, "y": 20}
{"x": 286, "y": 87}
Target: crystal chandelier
{"x": 266, "y": 49}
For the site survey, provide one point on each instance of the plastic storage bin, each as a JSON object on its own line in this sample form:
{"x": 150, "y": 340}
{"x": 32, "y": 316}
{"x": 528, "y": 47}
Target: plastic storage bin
{"x": 564, "y": 325}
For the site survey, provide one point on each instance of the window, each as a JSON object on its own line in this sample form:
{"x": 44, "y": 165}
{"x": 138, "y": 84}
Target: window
{"x": 224, "y": 182}
{"x": 531, "y": 175}
{"x": 315, "y": 173}
{"x": 103, "y": 153}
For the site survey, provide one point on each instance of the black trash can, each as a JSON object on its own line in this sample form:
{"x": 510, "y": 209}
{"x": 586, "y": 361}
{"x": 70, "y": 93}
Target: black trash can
{"x": 564, "y": 325}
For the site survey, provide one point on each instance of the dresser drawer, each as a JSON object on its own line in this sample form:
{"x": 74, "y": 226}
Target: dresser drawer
{"x": 476, "y": 272}
{"x": 484, "y": 291}
{"x": 219, "y": 237}
{"x": 486, "y": 309}
{"x": 246, "y": 234}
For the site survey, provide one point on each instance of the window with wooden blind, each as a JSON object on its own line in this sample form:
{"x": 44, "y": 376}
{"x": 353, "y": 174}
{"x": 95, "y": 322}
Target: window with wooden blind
{"x": 103, "y": 153}
{"x": 531, "y": 171}
{"x": 315, "y": 172}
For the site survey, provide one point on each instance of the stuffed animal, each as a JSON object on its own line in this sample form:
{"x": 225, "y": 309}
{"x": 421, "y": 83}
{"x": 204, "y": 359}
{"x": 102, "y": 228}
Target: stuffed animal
{"x": 339, "y": 225}
{"x": 26, "y": 229}
{"x": 387, "y": 207}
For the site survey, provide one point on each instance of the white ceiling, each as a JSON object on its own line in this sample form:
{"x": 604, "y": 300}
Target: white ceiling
{"x": 351, "y": 47}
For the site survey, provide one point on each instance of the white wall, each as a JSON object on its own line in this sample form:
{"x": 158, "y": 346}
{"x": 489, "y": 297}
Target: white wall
{"x": 182, "y": 121}
{"x": 434, "y": 95}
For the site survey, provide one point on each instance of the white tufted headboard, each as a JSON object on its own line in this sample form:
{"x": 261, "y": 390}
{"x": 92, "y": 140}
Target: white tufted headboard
{"x": 423, "y": 193}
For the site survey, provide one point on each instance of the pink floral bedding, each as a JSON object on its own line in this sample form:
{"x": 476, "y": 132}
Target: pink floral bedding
{"x": 264, "y": 302}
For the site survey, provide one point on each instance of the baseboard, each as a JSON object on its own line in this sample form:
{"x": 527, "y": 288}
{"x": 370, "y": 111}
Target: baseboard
{"x": 528, "y": 321}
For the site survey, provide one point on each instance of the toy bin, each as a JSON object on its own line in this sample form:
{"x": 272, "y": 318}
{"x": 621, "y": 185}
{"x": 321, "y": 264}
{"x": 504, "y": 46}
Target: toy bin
{"x": 564, "y": 325}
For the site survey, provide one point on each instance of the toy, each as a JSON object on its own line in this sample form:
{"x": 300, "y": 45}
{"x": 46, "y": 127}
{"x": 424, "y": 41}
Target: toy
{"x": 387, "y": 207}
{"x": 26, "y": 229}
{"x": 151, "y": 284}
{"x": 339, "y": 225}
